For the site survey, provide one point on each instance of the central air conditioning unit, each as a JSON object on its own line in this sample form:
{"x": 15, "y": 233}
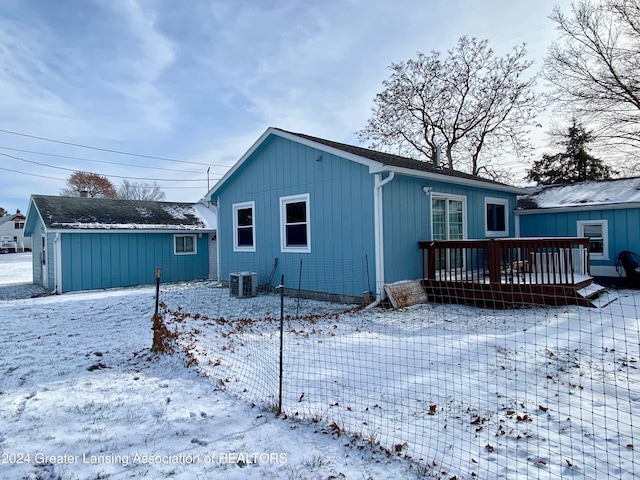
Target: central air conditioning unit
{"x": 243, "y": 284}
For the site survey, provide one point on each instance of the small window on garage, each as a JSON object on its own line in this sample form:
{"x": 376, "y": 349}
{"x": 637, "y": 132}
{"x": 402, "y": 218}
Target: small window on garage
{"x": 184, "y": 245}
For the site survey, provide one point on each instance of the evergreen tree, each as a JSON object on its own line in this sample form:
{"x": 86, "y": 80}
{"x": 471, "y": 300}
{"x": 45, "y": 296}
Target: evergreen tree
{"x": 573, "y": 165}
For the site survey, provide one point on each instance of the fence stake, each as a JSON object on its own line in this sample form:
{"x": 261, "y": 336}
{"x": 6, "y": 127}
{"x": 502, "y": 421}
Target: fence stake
{"x": 281, "y": 286}
{"x": 366, "y": 261}
{"x": 158, "y": 275}
{"x": 299, "y": 286}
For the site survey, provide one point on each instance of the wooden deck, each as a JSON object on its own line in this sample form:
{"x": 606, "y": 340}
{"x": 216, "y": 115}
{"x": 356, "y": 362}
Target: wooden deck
{"x": 508, "y": 272}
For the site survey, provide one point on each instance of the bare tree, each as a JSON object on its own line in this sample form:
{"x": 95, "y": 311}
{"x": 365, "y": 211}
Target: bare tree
{"x": 140, "y": 191}
{"x": 471, "y": 103}
{"x": 593, "y": 68}
{"x": 91, "y": 184}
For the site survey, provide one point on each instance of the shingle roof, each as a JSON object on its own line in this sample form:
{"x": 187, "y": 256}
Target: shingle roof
{"x": 108, "y": 214}
{"x": 584, "y": 194}
{"x": 11, "y": 218}
{"x": 393, "y": 160}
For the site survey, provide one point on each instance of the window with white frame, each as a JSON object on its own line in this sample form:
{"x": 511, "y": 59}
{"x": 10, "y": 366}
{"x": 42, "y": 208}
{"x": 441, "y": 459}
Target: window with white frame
{"x": 184, "y": 245}
{"x": 597, "y": 231}
{"x": 244, "y": 230}
{"x": 496, "y": 214}
{"x": 294, "y": 224}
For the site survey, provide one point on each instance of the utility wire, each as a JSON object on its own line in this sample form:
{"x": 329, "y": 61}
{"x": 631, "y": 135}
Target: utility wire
{"x": 106, "y": 149}
{"x": 115, "y": 176}
{"x": 31, "y": 174}
{"x": 64, "y": 179}
{"x": 98, "y": 161}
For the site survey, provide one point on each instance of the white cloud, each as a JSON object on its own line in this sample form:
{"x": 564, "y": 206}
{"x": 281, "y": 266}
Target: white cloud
{"x": 150, "y": 54}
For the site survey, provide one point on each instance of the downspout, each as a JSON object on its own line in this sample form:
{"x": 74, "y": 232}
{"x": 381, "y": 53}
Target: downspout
{"x": 379, "y": 231}
{"x": 57, "y": 265}
{"x": 516, "y": 221}
{"x": 218, "y": 262}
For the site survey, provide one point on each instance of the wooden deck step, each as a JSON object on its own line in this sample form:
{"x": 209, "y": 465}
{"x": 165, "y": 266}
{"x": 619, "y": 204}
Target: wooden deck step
{"x": 591, "y": 291}
{"x": 598, "y": 295}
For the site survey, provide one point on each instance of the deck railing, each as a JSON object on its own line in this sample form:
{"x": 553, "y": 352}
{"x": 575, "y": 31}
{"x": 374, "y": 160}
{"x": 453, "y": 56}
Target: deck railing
{"x": 539, "y": 261}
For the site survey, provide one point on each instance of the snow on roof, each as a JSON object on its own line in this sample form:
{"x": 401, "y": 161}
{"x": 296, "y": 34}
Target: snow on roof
{"x": 77, "y": 213}
{"x": 583, "y": 194}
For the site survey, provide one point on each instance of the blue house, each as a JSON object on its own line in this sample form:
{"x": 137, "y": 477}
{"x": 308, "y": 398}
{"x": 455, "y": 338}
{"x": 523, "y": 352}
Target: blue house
{"x": 92, "y": 243}
{"x": 605, "y": 212}
{"x": 344, "y": 220}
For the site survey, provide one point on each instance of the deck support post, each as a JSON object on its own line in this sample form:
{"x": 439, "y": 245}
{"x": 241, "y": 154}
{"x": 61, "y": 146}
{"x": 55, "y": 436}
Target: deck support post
{"x": 494, "y": 261}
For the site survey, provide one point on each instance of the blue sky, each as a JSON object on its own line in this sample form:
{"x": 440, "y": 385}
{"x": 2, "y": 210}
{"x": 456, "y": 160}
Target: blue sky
{"x": 198, "y": 81}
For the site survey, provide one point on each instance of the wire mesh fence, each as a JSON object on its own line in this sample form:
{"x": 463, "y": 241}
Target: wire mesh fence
{"x": 463, "y": 391}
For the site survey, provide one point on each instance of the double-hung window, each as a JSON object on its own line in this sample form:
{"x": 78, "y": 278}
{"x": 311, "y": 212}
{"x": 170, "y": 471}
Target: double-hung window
{"x": 597, "y": 233}
{"x": 294, "y": 224}
{"x": 184, "y": 245}
{"x": 496, "y": 212}
{"x": 244, "y": 229}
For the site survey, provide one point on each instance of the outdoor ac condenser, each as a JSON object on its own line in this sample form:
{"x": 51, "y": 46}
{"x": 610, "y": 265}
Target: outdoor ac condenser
{"x": 243, "y": 284}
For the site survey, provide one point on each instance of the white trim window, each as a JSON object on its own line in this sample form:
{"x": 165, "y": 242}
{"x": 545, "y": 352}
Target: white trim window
{"x": 496, "y": 217}
{"x": 244, "y": 227}
{"x": 185, "y": 245}
{"x": 295, "y": 235}
{"x": 597, "y": 231}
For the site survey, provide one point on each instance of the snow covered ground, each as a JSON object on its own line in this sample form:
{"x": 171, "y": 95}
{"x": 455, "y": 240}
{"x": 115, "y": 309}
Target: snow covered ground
{"x": 468, "y": 393}
{"x": 81, "y": 397}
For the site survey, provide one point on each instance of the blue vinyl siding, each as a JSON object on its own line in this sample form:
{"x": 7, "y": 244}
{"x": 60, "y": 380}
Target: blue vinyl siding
{"x": 407, "y": 220}
{"x": 340, "y": 215}
{"x": 36, "y": 253}
{"x": 341, "y": 192}
{"x": 107, "y": 260}
{"x": 624, "y": 228}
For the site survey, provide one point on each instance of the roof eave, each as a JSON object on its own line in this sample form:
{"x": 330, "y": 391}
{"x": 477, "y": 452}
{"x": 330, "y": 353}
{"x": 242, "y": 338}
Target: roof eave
{"x": 27, "y": 222}
{"x": 185, "y": 231}
{"x": 440, "y": 177}
{"x": 577, "y": 208}
{"x": 374, "y": 166}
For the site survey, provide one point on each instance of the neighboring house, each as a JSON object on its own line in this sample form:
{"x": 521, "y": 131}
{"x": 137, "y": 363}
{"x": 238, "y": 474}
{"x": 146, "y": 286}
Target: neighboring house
{"x": 90, "y": 243}
{"x": 607, "y": 212}
{"x": 12, "y": 231}
{"x": 345, "y": 220}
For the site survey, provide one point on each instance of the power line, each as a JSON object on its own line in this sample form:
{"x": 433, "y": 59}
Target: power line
{"x": 98, "y": 161}
{"x": 64, "y": 179}
{"x": 115, "y": 176}
{"x": 119, "y": 152}
{"x": 31, "y": 174}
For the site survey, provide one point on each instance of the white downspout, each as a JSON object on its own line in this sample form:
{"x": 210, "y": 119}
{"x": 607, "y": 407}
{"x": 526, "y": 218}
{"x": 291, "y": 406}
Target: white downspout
{"x": 379, "y": 231}
{"x": 57, "y": 266}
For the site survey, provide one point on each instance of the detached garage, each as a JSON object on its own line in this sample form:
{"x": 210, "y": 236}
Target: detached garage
{"x": 84, "y": 243}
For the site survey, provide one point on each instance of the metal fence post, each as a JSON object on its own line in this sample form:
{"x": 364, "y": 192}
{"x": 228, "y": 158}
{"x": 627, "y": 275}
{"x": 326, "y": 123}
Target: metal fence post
{"x": 281, "y": 287}
{"x": 158, "y": 275}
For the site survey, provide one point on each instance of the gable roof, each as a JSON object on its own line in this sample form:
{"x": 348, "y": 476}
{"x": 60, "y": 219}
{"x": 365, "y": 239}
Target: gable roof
{"x": 80, "y": 213}
{"x": 376, "y": 161}
{"x": 11, "y": 218}
{"x": 620, "y": 192}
